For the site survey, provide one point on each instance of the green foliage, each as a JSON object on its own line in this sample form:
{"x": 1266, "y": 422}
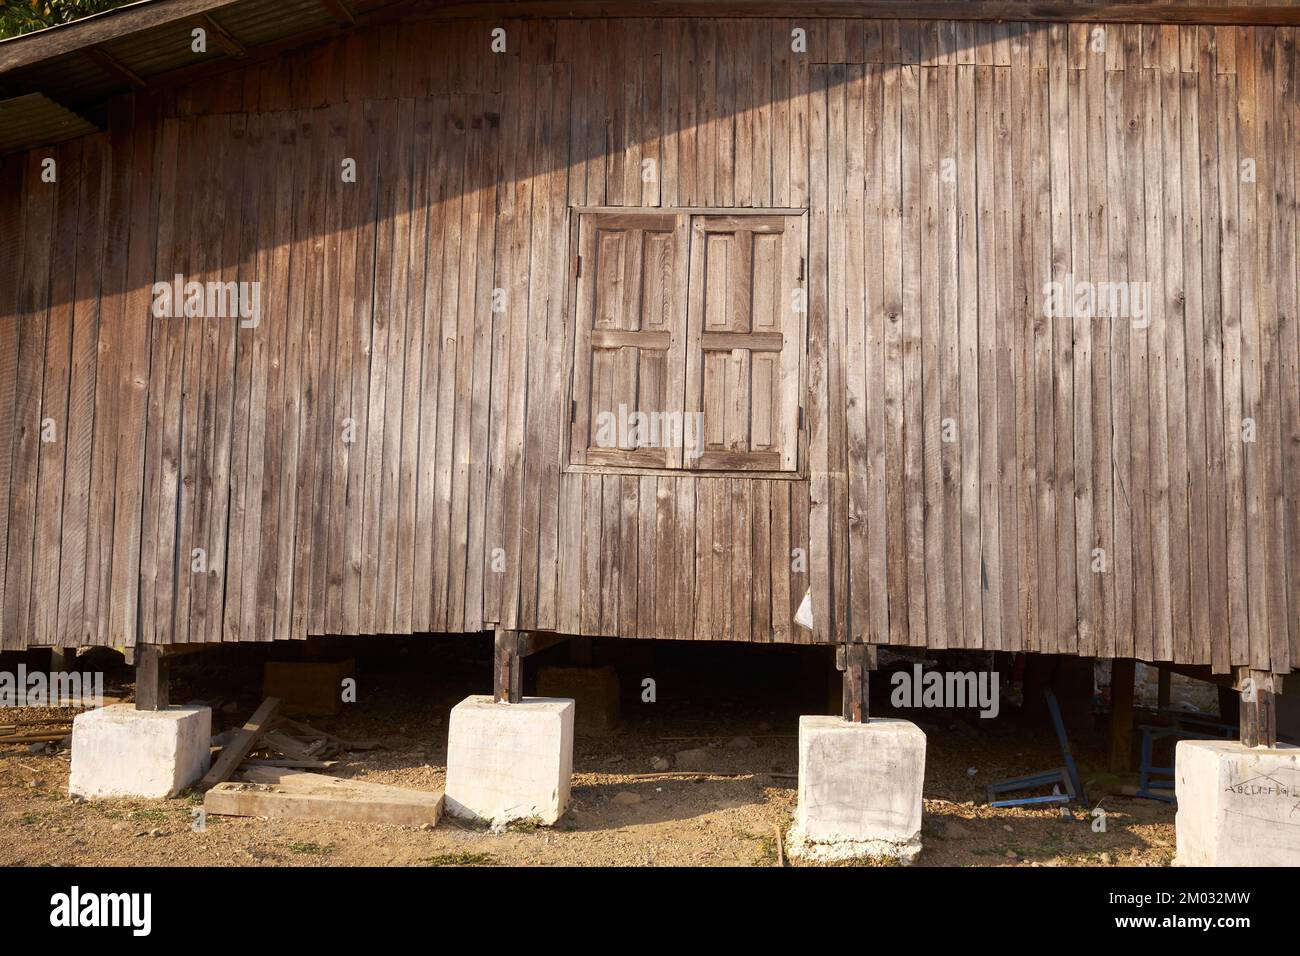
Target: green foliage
{"x": 24, "y": 16}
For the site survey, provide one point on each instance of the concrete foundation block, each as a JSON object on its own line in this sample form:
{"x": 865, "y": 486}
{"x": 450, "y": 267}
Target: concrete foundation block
{"x": 859, "y": 789}
{"x": 119, "y": 751}
{"x": 1237, "y": 805}
{"x": 594, "y": 691}
{"x": 510, "y": 761}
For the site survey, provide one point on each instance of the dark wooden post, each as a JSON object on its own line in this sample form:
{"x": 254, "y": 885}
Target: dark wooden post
{"x": 62, "y": 659}
{"x": 856, "y": 661}
{"x": 508, "y": 668}
{"x": 1122, "y": 673}
{"x": 151, "y": 678}
{"x": 1258, "y": 707}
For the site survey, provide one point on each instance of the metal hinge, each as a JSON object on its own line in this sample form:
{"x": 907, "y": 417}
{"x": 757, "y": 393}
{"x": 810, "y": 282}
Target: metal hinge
{"x": 802, "y": 262}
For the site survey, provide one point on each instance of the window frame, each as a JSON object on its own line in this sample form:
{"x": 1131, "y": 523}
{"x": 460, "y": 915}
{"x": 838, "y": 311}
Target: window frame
{"x": 573, "y": 341}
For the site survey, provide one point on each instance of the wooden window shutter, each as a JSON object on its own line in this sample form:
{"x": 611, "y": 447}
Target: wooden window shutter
{"x": 630, "y": 363}
{"x": 744, "y": 341}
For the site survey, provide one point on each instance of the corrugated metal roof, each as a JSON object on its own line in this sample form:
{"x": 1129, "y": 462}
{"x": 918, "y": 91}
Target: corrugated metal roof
{"x": 36, "y": 120}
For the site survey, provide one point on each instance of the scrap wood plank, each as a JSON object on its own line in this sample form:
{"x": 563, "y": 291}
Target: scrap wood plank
{"x": 294, "y": 749}
{"x": 341, "y": 804}
{"x": 272, "y": 792}
{"x": 233, "y": 754}
{"x": 289, "y": 779}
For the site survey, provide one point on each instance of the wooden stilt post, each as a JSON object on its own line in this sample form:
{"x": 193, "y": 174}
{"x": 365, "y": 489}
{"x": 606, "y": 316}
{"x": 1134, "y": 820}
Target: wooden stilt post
{"x": 508, "y": 668}
{"x": 1258, "y": 707}
{"x": 152, "y": 684}
{"x": 1122, "y": 673}
{"x": 62, "y": 659}
{"x": 856, "y": 662}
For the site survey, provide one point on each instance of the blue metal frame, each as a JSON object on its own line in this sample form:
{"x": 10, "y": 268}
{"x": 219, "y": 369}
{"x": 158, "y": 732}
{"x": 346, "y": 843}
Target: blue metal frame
{"x": 1066, "y": 776}
{"x": 1152, "y": 779}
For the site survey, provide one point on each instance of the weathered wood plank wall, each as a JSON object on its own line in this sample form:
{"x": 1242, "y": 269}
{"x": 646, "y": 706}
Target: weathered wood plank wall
{"x": 383, "y": 451}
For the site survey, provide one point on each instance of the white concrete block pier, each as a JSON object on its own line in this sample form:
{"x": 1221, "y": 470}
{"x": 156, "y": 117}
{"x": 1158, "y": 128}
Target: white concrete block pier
{"x": 510, "y": 761}
{"x": 119, "y": 751}
{"x": 1237, "y": 805}
{"x": 859, "y": 789}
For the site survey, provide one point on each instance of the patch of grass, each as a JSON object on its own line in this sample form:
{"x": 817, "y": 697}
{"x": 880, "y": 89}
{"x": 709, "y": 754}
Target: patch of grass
{"x": 152, "y": 815}
{"x": 523, "y": 826}
{"x": 310, "y": 849}
{"x": 461, "y": 858}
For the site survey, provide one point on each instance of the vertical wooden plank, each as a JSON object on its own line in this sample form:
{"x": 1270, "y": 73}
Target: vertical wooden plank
{"x": 554, "y": 333}
{"x": 1061, "y": 82}
{"x": 913, "y": 408}
{"x": 12, "y": 234}
{"x": 593, "y": 512}
{"x": 242, "y": 499}
{"x": 688, "y": 543}
{"x": 81, "y": 408}
{"x": 1120, "y": 642}
{"x": 1037, "y": 262}
{"x": 1134, "y": 121}
{"x": 743, "y": 570}
{"x": 937, "y": 255}
{"x": 1272, "y": 405}
{"x": 989, "y": 570}
{"x": 490, "y": 171}
{"x": 1161, "y": 544}
{"x": 968, "y": 278}
{"x": 645, "y": 623}
{"x": 1250, "y": 140}
{"x": 858, "y": 557}
{"x": 818, "y": 331}
{"x": 1288, "y": 105}
{"x": 897, "y": 542}
{"x": 1025, "y": 298}
{"x": 456, "y": 244}
{"x": 703, "y": 590}
{"x": 466, "y": 305}
{"x": 99, "y": 566}
{"x": 1175, "y": 337}
{"x": 1231, "y": 302}
{"x": 1007, "y": 470}
{"x": 52, "y": 452}
{"x": 413, "y": 354}
{"x": 1194, "y": 400}
{"x": 1215, "y": 290}
{"x": 226, "y": 385}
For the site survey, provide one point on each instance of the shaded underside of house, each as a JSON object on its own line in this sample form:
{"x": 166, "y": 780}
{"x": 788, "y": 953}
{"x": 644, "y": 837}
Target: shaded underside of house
{"x": 1047, "y": 381}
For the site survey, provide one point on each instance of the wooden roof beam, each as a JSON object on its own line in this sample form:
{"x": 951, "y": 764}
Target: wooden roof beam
{"x": 338, "y": 11}
{"x": 114, "y": 67}
{"x": 229, "y": 45}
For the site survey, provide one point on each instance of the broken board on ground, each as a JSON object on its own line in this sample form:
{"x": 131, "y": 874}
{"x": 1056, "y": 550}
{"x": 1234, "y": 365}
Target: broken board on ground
{"x": 273, "y": 792}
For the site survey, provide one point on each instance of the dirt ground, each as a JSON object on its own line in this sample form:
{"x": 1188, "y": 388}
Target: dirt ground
{"x": 623, "y": 812}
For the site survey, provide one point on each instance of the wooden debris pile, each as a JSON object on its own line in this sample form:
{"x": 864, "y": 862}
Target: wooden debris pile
{"x": 259, "y": 773}
{"x": 292, "y": 744}
{"x": 272, "y": 740}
